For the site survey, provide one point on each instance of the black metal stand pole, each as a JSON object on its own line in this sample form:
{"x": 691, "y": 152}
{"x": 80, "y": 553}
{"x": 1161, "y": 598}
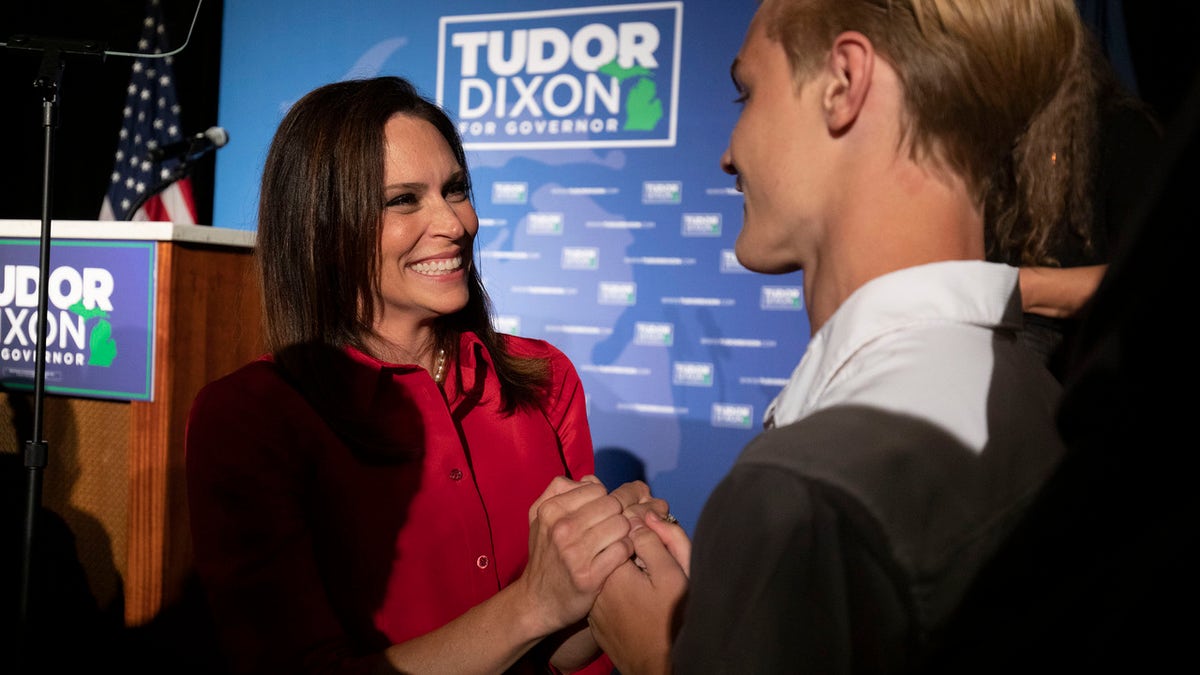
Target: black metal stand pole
{"x": 48, "y": 84}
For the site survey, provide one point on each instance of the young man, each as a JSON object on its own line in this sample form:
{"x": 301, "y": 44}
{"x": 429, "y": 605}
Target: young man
{"x": 877, "y": 145}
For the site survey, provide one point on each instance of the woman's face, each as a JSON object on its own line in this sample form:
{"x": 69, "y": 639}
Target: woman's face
{"x": 428, "y": 228}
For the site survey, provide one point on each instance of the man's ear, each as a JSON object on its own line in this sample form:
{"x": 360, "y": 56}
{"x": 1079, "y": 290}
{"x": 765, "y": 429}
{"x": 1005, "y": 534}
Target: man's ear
{"x": 851, "y": 63}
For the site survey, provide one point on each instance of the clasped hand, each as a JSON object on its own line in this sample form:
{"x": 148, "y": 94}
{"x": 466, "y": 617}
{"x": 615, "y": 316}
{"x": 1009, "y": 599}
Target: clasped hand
{"x": 612, "y": 558}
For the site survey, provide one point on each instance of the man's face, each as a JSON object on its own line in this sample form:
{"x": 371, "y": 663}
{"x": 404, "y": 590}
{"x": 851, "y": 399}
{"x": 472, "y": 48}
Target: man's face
{"x": 775, "y": 151}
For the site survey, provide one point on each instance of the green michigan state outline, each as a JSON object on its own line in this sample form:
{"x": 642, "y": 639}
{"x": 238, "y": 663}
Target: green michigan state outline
{"x": 643, "y": 108}
{"x": 102, "y": 348}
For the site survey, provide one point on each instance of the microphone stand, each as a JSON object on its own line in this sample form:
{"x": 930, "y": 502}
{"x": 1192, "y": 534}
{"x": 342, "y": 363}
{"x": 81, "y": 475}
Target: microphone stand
{"x": 48, "y": 83}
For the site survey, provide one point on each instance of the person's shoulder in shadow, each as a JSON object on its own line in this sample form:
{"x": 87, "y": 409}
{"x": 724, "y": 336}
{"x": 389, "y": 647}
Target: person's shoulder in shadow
{"x": 1102, "y": 572}
{"x": 62, "y": 629}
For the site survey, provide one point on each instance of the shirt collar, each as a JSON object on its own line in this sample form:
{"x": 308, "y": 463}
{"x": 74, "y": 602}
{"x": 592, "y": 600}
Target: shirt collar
{"x": 957, "y": 291}
{"x": 463, "y": 373}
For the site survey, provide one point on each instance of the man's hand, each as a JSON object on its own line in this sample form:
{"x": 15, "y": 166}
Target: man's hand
{"x": 633, "y": 617}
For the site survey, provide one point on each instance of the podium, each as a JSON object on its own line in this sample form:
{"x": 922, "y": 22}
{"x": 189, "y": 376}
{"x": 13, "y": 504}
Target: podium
{"x": 115, "y": 472}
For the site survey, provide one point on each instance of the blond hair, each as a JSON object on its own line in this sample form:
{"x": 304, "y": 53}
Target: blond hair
{"x": 1001, "y": 92}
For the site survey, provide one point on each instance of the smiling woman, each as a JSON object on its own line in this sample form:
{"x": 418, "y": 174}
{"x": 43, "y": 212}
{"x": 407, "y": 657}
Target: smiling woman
{"x": 381, "y": 486}
{"x": 428, "y": 226}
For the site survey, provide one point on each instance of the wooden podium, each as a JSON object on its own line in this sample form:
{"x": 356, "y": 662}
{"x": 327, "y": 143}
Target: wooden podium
{"x": 116, "y": 468}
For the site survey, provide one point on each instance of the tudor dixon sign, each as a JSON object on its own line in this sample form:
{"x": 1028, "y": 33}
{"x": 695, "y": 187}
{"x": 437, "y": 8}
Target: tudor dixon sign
{"x": 99, "y": 317}
{"x": 587, "y": 77}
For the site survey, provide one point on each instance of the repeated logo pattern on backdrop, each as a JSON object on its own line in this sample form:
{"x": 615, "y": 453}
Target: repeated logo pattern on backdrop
{"x": 594, "y": 133}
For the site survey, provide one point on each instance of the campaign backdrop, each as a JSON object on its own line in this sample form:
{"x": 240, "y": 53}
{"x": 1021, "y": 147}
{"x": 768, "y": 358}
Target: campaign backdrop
{"x": 594, "y": 132}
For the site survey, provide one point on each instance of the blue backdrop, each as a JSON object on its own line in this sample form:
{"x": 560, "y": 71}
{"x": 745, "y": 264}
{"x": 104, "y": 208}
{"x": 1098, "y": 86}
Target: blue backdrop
{"x": 594, "y": 132}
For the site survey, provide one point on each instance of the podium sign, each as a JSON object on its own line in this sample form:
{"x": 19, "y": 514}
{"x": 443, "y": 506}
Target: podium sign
{"x": 100, "y": 317}
{"x": 145, "y": 313}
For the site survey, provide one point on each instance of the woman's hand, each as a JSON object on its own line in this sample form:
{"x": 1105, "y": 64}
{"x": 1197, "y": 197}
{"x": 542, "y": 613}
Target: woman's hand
{"x": 578, "y": 534}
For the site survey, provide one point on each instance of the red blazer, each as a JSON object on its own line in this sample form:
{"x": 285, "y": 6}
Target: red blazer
{"x": 350, "y": 507}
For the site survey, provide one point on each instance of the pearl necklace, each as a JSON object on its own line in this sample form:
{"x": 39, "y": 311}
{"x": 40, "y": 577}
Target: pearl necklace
{"x": 439, "y": 366}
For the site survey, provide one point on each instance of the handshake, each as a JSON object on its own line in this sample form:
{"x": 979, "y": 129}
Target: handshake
{"x": 617, "y": 560}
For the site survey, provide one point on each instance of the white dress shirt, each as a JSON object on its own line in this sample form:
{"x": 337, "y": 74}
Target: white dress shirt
{"x": 917, "y": 341}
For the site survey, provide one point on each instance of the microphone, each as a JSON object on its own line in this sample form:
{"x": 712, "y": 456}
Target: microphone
{"x": 191, "y": 148}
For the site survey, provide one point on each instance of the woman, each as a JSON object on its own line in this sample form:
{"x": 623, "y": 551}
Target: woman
{"x": 1079, "y": 174}
{"x": 394, "y": 484}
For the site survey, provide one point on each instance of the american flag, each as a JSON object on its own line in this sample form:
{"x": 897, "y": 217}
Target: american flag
{"x": 151, "y": 120}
